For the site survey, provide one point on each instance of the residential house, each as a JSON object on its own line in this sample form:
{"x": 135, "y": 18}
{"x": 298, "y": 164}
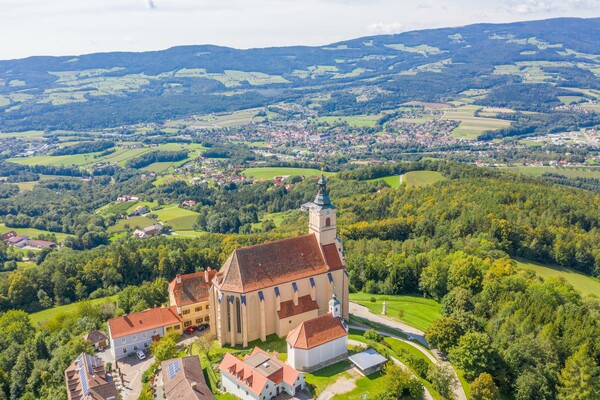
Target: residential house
{"x": 148, "y": 232}
{"x": 259, "y": 376}
{"x": 183, "y": 379}
{"x": 7, "y": 235}
{"x": 318, "y": 342}
{"x": 273, "y": 287}
{"x": 41, "y": 244}
{"x": 137, "y": 331}
{"x": 190, "y": 295}
{"x": 86, "y": 379}
{"x": 98, "y": 339}
{"x": 19, "y": 241}
{"x": 188, "y": 203}
{"x": 139, "y": 210}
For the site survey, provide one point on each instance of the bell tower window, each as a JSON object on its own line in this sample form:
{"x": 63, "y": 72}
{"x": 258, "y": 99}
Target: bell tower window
{"x": 328, "y": 222}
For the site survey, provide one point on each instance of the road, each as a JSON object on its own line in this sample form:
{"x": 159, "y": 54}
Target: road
{"x": 411, "y": 332}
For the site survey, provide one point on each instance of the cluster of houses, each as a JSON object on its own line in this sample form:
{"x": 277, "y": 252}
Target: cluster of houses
{"x": 295, "y": 288}
{"x": 11, "y": 238}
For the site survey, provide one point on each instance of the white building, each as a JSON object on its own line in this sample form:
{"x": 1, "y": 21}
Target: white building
{"x": 137, "y": 331}
{"x": 318, "y": 342}
{"x": 260, "y": 376}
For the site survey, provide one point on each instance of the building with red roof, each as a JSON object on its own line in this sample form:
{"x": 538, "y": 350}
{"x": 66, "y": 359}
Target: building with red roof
{"x": 86, "y": 379}
{"x": 137, "y": 331}
{"x": 189, "y": 294}
{"x": 272, "y": 287}
{"x": 259, "y": 376}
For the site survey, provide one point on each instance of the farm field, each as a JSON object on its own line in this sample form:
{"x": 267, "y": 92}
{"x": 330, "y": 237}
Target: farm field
{"x": 422, "y": 178}
{"x": 178, "y": 218}
{"x": 392, "y": 180}
{"x": 470, "y": 126}
{"x": 46, "y": 315}
{"x": 158, "y": 167}
{"x": 583, "y": 283}
{"x": 26, "y": 186}
{"x": 418, "y": 311}
{"x": 571, "y": 172}
{"x": 272, "y": 172}
{"x": 133, "y": 222}
{"x": 33, "y": 233}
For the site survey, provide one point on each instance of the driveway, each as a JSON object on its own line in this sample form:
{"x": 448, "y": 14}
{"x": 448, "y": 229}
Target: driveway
{"x": 131, "y": 370}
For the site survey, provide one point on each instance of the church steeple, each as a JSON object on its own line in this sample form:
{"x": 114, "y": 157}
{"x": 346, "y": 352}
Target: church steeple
{"x": 322, "y": 219}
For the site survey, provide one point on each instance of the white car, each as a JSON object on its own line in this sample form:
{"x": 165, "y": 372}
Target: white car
{"x": 140, "y": 354}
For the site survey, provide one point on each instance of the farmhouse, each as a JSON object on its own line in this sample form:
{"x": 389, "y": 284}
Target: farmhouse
{"x": 86, "y": 379}
{"x": 189, "y": 295}
{"x": 138, "y": 330}
{"x": 273, "y": 287}
{"x": 98, "y": 339}
{"x": 7, "y": 235}
{"x": 259, "y": 376}
{"x": 318, "y": 342}
{"x": 147, "y": 232}
{"x": 41, "y": 244}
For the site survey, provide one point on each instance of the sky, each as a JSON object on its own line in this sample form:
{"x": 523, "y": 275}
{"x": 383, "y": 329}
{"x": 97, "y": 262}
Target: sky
{"x": 72, "y": 27}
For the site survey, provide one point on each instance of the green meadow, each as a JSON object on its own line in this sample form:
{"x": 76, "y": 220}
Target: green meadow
{"x": 48, "y": 314}
{"x": 421, "y": 178}
{"x": 33, "y": 233}
{"x": 272, "y": 172}
{"x": 587, "y": 285}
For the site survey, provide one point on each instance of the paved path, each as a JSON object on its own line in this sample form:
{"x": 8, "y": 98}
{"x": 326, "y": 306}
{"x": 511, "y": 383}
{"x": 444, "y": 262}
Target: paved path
{"x": 436, "y": 357}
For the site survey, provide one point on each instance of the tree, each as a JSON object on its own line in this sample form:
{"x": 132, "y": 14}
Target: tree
{"x": 444, "y": 333}
{"x": 165, "y": 348}
{"x": 443, "y": 380}
{"x": 484, "y": 388}
{"x": 204, "y": 343}
{"x": 400, "y": 384}
{"x": 474, "y": 354}
{"x": 580, "y": 378}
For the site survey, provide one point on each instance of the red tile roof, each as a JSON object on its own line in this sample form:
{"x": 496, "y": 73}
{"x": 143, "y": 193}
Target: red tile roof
{"x": 305, "y": 304}
{"x": 272, "y": 263}
{"x": 188, "y": 382}
{"x": 142, "y": 321}
{"x": 86, "y": 379}
{"x": 316, "y": 331}
{"x": 193, "y": 287}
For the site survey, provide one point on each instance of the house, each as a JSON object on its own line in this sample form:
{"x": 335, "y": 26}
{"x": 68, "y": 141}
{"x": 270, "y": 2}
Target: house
{"x": 318, "y": 342}
{"x": 86, "y": 379}
{"x": 259, "y": 376}
{"x": 147, "y": 232}
{"x": 188, "y": 203}
{"x": 139, "y": 210}
{"x": 8, "y": 235}
{"x": 273, "y": 287}
{"x": 41, "y": 244}
{"x": 98, "y": 339}
{"x": 368, "y": 361}
{"x": 137, "y": 331}
{"x": 189, "y": 295}
{"x": 19, "y": 241}
{"x": 183, "y": 379}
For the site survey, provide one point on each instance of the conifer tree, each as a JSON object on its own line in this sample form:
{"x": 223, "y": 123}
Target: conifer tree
{"x": 580, "y": 378}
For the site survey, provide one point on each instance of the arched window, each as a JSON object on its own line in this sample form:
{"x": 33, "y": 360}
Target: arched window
{"x": 238, "y": 312}
{"x": 328, "y": 222}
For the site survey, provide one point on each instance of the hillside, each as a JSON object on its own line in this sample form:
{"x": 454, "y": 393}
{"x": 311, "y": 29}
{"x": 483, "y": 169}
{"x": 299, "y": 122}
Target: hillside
{"x": 491, "y": 63}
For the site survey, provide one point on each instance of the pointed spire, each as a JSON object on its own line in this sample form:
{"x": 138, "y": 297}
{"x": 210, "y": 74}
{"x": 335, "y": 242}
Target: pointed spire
{"x": 322, "y": 198}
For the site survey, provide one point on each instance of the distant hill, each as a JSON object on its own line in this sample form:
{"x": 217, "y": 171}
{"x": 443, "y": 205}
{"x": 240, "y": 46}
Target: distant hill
{"x": 368, "y": 74}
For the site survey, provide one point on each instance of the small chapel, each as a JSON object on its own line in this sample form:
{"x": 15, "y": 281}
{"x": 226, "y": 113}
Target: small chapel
{"x": 272, "y": 288}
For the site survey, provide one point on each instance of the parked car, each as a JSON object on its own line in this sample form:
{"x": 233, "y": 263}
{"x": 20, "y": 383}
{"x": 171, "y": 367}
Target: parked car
{"x": 191, "y": 329}
{"x": 203, "y": 327}
{"x": 140, "y": 355}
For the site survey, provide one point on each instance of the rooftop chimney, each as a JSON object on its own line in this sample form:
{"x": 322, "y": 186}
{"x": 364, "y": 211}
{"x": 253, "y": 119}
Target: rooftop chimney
{"x": 178, "y": 278}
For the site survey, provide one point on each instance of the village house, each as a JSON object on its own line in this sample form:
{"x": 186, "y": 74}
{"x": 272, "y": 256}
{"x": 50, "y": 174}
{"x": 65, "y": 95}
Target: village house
{"x": 18, "y": 241}
{"x": 137, "y": 331}
{"x": 259, "y": 376}
{"x": 148, "y": 232}
{"x": 98, "y": 339}
{"x": 86, "y": 379}
{"x": 273, "y": 287}
{"x": 318, "y": 342}
{"x": 139, "y": 210}
{"x": 8, "y": 235}
{"x": 189, "y": 295}
{"x": 183, "y": 379}
{"x": 41, "y": 244}
{"x": 188, "y": 203}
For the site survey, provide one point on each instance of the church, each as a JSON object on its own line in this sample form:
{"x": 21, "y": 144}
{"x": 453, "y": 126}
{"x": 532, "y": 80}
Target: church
{"x": 273, "y": 287}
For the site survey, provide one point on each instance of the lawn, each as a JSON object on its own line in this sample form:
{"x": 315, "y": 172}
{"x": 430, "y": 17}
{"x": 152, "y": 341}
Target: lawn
{"x": 272, "y": 172}
{"x": 48, "y": 314}
{"x": 418, "y": 311}
{"x": 584, "y": 283}
{"x": 33, "y": 233}
{"x": 421, "y": 178}
{"x": 178, "y": 218}
{"x": 392, "y": 180}
{"x": 133, "y": 222}
{"x": 325, "y": 376}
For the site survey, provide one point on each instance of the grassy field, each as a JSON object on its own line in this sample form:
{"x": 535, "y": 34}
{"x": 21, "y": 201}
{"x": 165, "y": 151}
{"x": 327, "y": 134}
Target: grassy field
{"x": 392, "y": 180}
{"x": 32, "y": 232}
{"x": 141, "y": 222}
{"x": 26, "y": 186}
{"x": 46, "y": 315}
{"x": 179, "y": 218}
{"x": 583, "y": 283}
{"x": 421, "y": 178}
{"x": 158, "y": 167}
{"x": 272, "y": 172}
{"x": 418, "y": 311}
{"x": 571, "y": 172}
{"x": 470, "y": 126}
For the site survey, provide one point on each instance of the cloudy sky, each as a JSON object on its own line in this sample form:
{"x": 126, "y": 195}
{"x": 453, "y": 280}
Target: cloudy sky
{"x": 70, "y": 27}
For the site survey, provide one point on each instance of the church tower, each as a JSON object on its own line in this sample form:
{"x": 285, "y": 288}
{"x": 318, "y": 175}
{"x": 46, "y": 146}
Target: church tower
{"x": 321, "y": 219}
{"x": 335, "y": 307}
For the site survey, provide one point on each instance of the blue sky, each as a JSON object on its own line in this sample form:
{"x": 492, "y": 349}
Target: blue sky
{"x": 70, "y": 27}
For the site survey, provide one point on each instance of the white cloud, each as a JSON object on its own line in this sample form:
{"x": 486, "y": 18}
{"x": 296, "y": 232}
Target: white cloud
{"x": 533, "y": 6}
{"x": 380, "y": 28}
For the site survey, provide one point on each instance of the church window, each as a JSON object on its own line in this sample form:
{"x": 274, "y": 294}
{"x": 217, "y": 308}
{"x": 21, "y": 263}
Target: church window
{"x": 238, "y": 313}
{"x": 328, "y": 222}
{"x": 228, "y": 316}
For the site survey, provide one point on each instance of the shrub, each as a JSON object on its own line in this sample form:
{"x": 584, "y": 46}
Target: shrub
{"x": 373, "y": 335}
{"x": 373, "y": 299}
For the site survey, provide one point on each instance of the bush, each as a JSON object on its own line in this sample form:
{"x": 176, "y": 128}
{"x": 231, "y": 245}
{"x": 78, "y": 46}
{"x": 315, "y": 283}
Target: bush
{"x": 373, "y": 335}
{"x": 373, "y": 299}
